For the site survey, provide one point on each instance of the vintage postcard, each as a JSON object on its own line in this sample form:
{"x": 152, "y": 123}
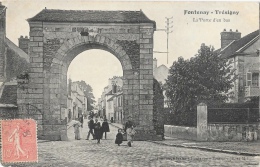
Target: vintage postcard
{"x": 129, "y": 83}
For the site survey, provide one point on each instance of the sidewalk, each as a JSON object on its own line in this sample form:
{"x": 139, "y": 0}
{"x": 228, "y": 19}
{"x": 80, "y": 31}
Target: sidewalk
{"x": 239, "y": 148}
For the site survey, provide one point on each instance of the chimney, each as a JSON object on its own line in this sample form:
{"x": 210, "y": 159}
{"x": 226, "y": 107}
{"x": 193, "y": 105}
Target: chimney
{"x": 228, "y": 36}
{"x": 23, "y": 43}
{"x": 154, "y": 63}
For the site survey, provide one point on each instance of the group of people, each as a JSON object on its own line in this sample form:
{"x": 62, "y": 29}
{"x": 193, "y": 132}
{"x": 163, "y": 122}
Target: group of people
{"x": 98, "y": 131}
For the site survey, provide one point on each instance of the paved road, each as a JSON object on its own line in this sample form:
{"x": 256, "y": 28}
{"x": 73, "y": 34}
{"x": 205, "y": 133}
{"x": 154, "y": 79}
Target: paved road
{"x": 143, "y": 154}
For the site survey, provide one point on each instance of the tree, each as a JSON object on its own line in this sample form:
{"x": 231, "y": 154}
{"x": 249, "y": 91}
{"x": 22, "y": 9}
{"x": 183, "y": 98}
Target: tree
{"x": 204, "y": 77}
{"x": 88, "y": 91}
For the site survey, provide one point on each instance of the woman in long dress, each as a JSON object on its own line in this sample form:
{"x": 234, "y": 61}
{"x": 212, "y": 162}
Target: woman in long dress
{"x": 16, "y": 138}
{"x": 130, "y": 132}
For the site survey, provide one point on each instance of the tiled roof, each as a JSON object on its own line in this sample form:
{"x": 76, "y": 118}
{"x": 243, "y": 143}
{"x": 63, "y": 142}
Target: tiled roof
{"x": 91, "y": 16}
{"x": 9, "y": 95}
{"x": 109, "y": 93}
{"x": 16, "y": 49}
{"x": 236, "y": 47}
{"x": 111, "y": 98}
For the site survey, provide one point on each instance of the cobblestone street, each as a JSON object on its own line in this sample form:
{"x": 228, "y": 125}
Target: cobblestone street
{"x": 89, "y": 153}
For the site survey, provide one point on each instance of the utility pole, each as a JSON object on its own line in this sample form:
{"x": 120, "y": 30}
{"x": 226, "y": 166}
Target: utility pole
{"x": 168, "y": 27}
{"x": 168, "y": 31}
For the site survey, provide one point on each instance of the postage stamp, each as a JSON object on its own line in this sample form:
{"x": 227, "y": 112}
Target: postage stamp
{"x": 19, "y": 140}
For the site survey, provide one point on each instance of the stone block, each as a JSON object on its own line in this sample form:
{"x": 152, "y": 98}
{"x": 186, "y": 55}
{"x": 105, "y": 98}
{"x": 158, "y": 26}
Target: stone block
{"x": 143, "y": 91}
{"x": 136, "y": 91}
{"x": 150, "y": 35}
{"x": 97, "y": 38}
{"x": 54, "y": 86}
{"x": 144, "y": 40}
{"x": 144, "y": 101}
{"x": 38, "y": 65}
{"x": 86, "y": 39}
{"x": 40, "y": 43}
{"x": 146, "y": 107}
{"x": 148, "y": 76}
{"x": 136, "y": 86}
{"x": 37, "y": 60}
{"x": 31, "y": 44}
{"x": 36, "y": 70}
{"x": 146, "y": 66}
{"x": 102, "y": 39}
{"x": 59, "y": 127}
{"x": 39, "y": 39}
{"x": 144, "y": 50}
{"x": 36, "y": 33}
{"x": 35, "y": 101}
{"x": 36, "y": 96}
{"x": 144, "y": 81}
{"x": 35, "y": 24}
{"x": 37, "y": 49}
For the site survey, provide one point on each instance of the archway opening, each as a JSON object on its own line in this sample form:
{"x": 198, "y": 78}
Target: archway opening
{"x": 94, "y": 88}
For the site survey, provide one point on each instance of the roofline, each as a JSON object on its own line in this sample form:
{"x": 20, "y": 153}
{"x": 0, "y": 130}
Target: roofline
{"x": 98, "y": 22}
{"x": 247, "y": 44}
{"x": 227, "y": 46}
{"x": 150, "y": 21}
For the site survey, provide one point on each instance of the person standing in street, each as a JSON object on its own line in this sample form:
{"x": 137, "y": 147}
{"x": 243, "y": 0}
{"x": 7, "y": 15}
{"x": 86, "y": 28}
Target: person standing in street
{"x": 90, "y": 127}
{"x": 130, "y": 132}
{"x": 97, "y": 130}
{"x": 76, "y": 130}
{"x": 119, "y": 137}
{"x": 69, "y": 115}
{"x": 105, "y": 128}
{"x": 81, "y": 120}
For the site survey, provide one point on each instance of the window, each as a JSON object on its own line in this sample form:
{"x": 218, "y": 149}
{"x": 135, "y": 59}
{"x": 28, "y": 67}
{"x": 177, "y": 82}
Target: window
{"x": 255, "y": 79}
{"x": 248, "y": 79}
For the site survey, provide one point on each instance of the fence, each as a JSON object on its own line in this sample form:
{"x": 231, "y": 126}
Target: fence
{"x": 233, "y": 115}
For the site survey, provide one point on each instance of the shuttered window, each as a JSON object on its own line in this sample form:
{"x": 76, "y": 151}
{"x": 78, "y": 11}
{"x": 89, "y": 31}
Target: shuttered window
{"x": 255, "y": 79}
{"x": 248, "y": 79}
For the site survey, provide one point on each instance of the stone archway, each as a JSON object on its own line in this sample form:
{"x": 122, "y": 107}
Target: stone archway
{"x": 55, "y": 41}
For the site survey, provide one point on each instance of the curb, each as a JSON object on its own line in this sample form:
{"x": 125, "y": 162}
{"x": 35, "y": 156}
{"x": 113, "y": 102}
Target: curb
{"x": 202, "y": 148}
{"x": 207, "y": 149}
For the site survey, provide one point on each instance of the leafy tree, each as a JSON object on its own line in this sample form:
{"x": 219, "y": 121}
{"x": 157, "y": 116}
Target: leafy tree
{"x": 204, "y": 77}
{"x": 88, "y": 91}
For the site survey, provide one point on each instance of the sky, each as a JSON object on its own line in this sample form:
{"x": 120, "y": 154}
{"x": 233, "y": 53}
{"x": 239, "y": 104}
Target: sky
{"x": 96, "y": 66}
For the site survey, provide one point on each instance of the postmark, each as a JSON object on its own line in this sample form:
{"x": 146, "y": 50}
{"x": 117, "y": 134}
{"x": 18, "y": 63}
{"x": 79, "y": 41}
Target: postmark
{"x": 19, "y": 140}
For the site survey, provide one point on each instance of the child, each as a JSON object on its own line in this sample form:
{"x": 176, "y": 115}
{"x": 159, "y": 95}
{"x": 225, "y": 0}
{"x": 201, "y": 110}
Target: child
{"x": 119, "y": 137}
{"x": 76, "y": 130}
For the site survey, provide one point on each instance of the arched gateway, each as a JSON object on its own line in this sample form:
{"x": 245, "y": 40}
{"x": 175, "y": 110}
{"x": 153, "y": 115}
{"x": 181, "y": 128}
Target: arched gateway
{"x": 58, "y": 36}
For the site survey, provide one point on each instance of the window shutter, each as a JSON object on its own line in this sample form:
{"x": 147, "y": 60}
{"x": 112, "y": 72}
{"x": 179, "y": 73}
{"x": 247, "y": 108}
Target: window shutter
{"x": 248, "y": 78}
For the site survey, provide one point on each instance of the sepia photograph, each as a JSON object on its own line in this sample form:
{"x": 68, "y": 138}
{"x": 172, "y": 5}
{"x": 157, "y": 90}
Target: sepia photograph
{"x": 129, "y": 83}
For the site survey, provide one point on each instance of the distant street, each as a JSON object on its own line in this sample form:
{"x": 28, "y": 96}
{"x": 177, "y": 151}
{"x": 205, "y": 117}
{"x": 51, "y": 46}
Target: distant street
{"x": 107, "y": 154}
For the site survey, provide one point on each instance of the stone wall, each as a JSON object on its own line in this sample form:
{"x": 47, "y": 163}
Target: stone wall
{"x": 214, "y": 132}
{"x": 53, "y": 46}
{"x": 232, "y": 132}
{"x": 8, "y": 112}
{"x": 181, "y": 132}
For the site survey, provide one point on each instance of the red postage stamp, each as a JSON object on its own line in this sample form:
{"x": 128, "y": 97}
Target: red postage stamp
{"x": 19, "y": 140}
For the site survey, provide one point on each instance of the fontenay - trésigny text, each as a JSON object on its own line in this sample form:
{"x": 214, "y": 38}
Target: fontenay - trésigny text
{"x": 223, "y": 12}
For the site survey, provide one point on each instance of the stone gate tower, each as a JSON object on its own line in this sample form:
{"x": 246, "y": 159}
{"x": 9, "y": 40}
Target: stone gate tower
{"x": 58, "y": 36}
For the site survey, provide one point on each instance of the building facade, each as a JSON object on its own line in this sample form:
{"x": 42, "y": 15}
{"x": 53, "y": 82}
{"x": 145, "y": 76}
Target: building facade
{"x": 242, "y": 53}
{"x": 108, "y": 101}
{"x": 76, "y": 101}
{"x": 160, "y": 73}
